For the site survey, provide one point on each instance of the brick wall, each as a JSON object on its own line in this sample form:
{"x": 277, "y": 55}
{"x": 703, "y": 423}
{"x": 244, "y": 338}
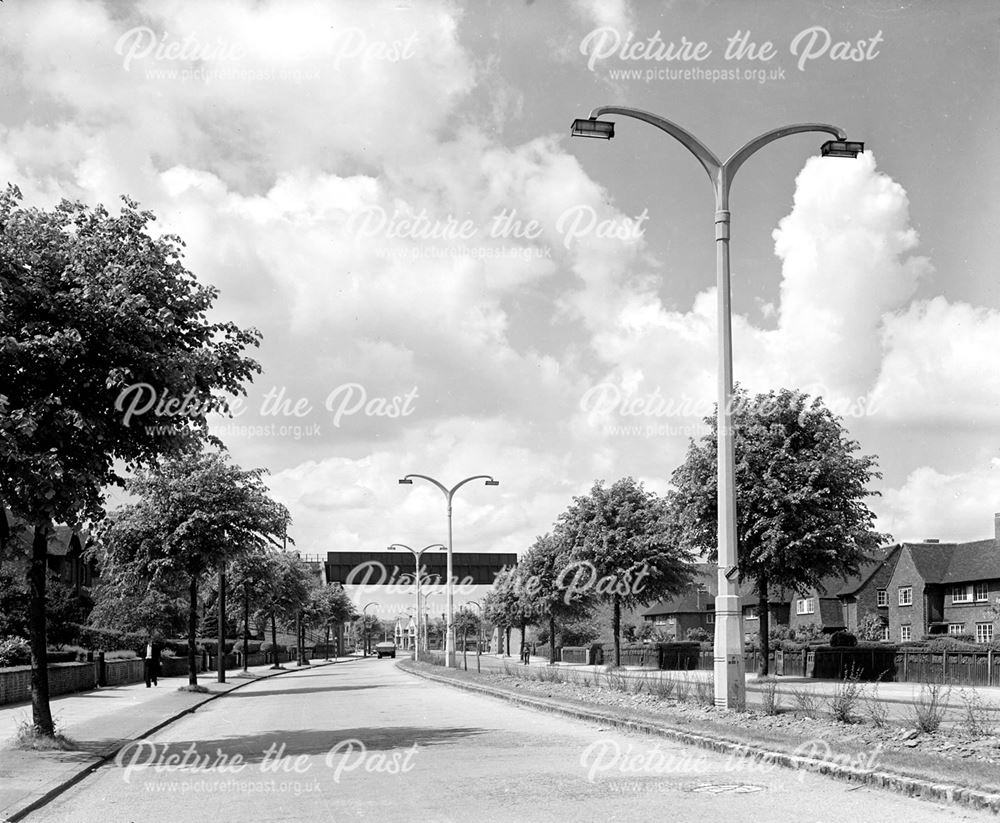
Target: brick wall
{"x": 119, "y": 672}
{"x": 15, "y": 682}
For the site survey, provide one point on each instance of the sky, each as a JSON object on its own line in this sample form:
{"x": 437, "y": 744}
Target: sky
{"x": 448, "y": 284}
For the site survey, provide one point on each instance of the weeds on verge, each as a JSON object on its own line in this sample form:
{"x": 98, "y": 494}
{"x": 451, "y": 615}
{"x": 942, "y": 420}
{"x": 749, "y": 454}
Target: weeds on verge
{"x": 616, "y": 680}
{"x": 930, "y": 706}
{"x": 847, "y": 696}
{"x": 662, "y": 687}
{"x": 976, "y": 720}
{"x": 704, "y": 693}
{"x": 550, "y": 675}
{"x": 771, "y": 700}
{"x": 876, "y": 711}
{"x": 28, "y": 737}
{"x": 682, "y": 691}
{"x": 807, "y": 702}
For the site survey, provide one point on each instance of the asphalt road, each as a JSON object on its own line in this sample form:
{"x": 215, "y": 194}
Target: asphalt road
{"x": 366, "y": 741}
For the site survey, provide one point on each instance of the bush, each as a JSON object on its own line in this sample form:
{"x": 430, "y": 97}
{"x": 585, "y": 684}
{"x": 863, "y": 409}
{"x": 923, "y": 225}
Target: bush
{"x": 807, "y": 633}
{"x": 930, "y": 707}
{"x": 254, "y": 646}
{"x": 110, "y": 639}
{"x": 847, "y": 695}
{"x": 270, "y": 647}
{"x": 843, "y": 640}
{"x": 15, "y": 651}
{"x": 697, "y": 633}
{"x": 871, "y": 627}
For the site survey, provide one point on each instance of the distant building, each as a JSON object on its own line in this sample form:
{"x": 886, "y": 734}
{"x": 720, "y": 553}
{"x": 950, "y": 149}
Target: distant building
{"x": 64, "y": 555}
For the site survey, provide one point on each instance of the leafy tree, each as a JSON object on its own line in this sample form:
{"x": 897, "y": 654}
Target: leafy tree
{"x": 621, "y": 548}
{"x": 505, "y": 605}
{"x": 143, "y": 610}
{"x": 328, "y": 606}
{"x": 90, "y": 306}
{"x": 286, "y": 592}
{"x": 13, "y": 601}
{"x": 545, "y": 593}
{"x": 579, "y": 633}
{"x": 800, "y": 496}
{"x": 193, "y": 513}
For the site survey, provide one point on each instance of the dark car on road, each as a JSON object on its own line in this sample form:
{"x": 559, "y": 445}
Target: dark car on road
{"x": 387, "y": 649}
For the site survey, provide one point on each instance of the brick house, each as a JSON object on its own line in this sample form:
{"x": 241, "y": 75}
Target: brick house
{"x": 842, "y": 603}
{"x": 64, "y": 553}
{"x": 945, "y": 588}
{"x": 695, "y": 606}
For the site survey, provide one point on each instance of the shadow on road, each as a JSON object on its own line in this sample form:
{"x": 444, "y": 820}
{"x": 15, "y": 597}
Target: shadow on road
{"x": 276, "y": 744}
{"x": 307, "y": 690}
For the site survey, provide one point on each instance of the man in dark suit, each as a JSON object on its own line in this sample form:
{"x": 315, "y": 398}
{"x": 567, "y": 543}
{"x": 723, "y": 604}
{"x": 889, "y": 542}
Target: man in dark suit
{"x": 151, "y": 663}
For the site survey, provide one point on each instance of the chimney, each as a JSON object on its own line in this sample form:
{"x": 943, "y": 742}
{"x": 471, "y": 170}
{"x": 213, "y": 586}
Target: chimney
{"x": 932, "y": 540}
{"x": 996, "y": 526}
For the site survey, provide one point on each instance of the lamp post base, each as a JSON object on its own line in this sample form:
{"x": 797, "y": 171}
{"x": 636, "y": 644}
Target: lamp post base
{"x": 729, "y": 669}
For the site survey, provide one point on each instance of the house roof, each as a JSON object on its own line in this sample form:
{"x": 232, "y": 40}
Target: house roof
{"x": 956, "y": 562}
{"x": 699, "y": 597}
{"x": 62, "y": 539}
{"x": 883, "y": 556}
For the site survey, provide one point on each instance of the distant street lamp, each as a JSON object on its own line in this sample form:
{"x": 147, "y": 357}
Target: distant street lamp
{"x": 416, "y": 583}
{"x": 364, "y": 626}
{"x": 449, "y": 654}
{"x": 730, "y": 685}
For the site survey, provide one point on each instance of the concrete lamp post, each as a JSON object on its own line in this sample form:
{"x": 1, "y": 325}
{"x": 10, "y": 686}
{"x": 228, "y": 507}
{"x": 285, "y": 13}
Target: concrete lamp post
{"x": 416, "y": 584}
{"x": 364, "y": 625}
{"x": 729, "y": 668}
{"x": 449, "y": 654}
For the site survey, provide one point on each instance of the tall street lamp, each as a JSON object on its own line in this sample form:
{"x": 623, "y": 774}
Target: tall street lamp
{"x": 416, "y": 583}
{"x": 364, "y": 625}
{"x": 729, "y": 678}
{"x": 449, "y": 653}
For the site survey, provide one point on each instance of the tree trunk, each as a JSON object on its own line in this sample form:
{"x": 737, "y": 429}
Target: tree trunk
{"x": 506, "y": 645}
{"x": 465, "y": 659}
{"x": 327, "y": 641}
{"x": 41, "y": 712}
{"x": 552, "y": 638}
{"x": 763, "y": 624}
{"x": 220, "y": 645}
{"x": 524, "y": 635}
{"x": 616, "y": 627}
{"x": 246, "y": 624}
{"x": 192, "y": 630}
{"x": 274, "y": 640}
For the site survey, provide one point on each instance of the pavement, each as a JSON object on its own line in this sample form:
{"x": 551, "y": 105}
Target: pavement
{"x": 100, "y": 722}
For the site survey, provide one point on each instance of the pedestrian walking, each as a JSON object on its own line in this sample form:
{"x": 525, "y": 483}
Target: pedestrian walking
{"x": 151, "y": 663}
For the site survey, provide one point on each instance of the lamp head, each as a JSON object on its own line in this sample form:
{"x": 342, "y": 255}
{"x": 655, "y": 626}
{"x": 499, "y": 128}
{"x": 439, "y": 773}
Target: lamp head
{"x": 841, "y": 148}
{"x": 603, "y": 129}
{"x": 405, "y": 481}
{"x": 492, "y": 482}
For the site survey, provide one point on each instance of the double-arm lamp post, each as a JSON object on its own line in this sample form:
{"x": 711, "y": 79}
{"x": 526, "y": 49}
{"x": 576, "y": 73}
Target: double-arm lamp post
{"x": 730, "y": 686}
{"x": 449, "y": 653}
{"x": 416, "y": 583}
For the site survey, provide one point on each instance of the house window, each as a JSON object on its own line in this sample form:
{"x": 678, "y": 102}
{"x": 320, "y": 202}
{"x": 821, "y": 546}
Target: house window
{"x": 904, "y": 634}
{"x": 961, "y": 594}
{"x": 906, "y": 596}
{"x": 956, "y": 628}
{"x": 984, "y": 632}
{"x": 882, "y": 598}
{"x": 982, "y": 592}
{"x": 751, "y": 613}
{"x": 885, "y": 633}
{"x": 805, "y": 605}
{"x": 710, "y": 618}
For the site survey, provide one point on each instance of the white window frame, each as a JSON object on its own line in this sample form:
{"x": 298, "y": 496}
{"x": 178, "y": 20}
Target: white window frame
{"x": 885, "y": 633}
{"x": 905, "y": 634}
{"x": 961, "y": 594}
{"x": 805, "y": 605}
{"x": 882, "y": 597}
{"x": 984, "y": 632}
{"x": 959, "y": 628}
{"x": 908, "y": 599}
{"x": 710, "y": 618}
{"x": 981, "y": 592}
{"x": 752, "y": 613}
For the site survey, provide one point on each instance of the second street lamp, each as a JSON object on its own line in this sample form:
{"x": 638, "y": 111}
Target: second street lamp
{"x": 729, "y": 677}
{"x": 416, "y": 584}
{"x": 449, "y": 654}
{"x": 364, "y": 627}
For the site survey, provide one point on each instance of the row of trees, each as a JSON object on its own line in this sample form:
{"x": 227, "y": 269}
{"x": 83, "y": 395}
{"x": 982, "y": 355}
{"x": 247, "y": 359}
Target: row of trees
{"x": 801, "y": 488}
{"x": 93, "y": 306}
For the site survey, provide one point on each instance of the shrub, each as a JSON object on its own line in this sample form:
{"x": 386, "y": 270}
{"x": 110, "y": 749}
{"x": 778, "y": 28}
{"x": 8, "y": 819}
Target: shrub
{"x": 847, "y": 694}
{"x": 270, "y": 647}
{"x": 704, "y": 692}
{"x": 698, "y": 634}
{"x": 877, "y": 711}
{"x": 254, "y": 646}
{"x": 771, "y": 700}
{"x": 15, "y": 651}
{"x": 930, "y": 707}
{"x": 977, "y": 720}
{"x": 871, "y": 627}
{"x": 806, "y": 634}
{"x": 843, "y": 640}
{"x": 807, "y": 702}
